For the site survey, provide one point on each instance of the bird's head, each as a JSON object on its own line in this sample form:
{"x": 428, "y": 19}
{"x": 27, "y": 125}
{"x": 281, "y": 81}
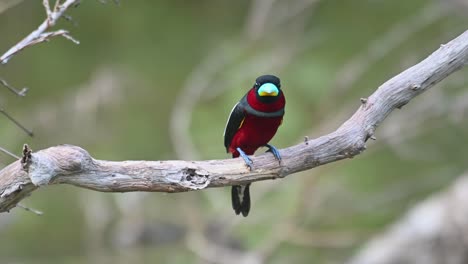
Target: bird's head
{"x": 268, "y": 88}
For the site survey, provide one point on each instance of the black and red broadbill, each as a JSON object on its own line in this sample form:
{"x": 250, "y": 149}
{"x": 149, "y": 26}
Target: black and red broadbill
{"x": 252, "y": 123}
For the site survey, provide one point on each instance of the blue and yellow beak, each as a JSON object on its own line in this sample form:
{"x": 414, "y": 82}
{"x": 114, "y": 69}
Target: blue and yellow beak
{"x": 268, "y": 89}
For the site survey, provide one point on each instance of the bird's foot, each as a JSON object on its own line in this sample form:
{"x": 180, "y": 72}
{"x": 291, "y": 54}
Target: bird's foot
{"x": 274, "y": 151}
{"x": 246, "y": 158}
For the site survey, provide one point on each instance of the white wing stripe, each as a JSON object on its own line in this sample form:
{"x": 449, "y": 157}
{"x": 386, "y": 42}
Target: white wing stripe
{"x": 224, "y": 134}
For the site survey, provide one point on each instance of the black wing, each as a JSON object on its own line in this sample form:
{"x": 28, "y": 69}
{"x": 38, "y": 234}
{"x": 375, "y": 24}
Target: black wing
{"x": 233, "y": 124}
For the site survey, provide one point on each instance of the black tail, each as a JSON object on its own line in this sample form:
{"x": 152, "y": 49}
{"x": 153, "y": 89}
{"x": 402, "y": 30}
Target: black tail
{"x": 240, "y": 196}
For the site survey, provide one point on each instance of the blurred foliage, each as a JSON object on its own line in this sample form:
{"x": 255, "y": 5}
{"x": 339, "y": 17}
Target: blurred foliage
{"x": 114, "y": 94}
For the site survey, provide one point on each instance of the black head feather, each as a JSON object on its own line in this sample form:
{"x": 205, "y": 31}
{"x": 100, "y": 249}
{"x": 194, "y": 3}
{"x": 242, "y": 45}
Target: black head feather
{"x": 267, "y": 79}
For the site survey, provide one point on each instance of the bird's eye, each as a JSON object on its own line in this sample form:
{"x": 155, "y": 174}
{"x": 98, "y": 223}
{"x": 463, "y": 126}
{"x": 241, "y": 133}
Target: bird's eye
{"x": 257, "y": 84}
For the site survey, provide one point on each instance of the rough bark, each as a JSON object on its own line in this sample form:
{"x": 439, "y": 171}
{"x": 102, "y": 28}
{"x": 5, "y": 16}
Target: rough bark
{"x": 73, "y": 165}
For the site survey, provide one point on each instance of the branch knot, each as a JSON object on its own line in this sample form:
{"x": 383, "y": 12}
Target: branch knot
{"x": 194, "y": 178}
{"x": 26, "y": 159}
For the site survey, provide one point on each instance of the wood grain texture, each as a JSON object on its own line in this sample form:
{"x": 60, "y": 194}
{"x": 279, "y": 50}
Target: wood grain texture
{"x": 73, "y": 165}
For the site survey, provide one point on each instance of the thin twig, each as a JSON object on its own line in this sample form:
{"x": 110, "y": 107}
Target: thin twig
{"x": 46, "y": 5}
{"x": 56, "y": 6}
{"x": 40, "y": 35}
{"x": 18, "y": 124}
{"x": 29, "y": 209}
{"x": 9, "y": 153}
{"x": 21, "y": 92}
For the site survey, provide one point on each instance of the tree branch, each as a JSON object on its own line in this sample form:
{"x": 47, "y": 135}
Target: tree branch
{"x": 40, "y": 35}
{"x": 73, "y": 165}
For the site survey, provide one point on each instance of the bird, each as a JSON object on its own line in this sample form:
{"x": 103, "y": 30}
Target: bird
{"x": 252, "y": 123}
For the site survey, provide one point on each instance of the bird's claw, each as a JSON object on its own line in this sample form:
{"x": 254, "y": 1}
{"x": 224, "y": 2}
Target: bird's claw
{"x": 246, "y": 158}
{"x": 274, "y": 151}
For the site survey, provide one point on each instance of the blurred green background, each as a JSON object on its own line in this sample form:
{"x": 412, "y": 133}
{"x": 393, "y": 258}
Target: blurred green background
{"x": 156, "y": 80}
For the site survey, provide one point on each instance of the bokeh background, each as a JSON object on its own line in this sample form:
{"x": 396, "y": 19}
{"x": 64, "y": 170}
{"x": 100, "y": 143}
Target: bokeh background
{"x": 156, "y": 80}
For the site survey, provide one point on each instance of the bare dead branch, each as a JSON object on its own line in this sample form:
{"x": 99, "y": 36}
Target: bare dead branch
{"x": 73, "y": 165}
{"x": 40, "y": 34}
